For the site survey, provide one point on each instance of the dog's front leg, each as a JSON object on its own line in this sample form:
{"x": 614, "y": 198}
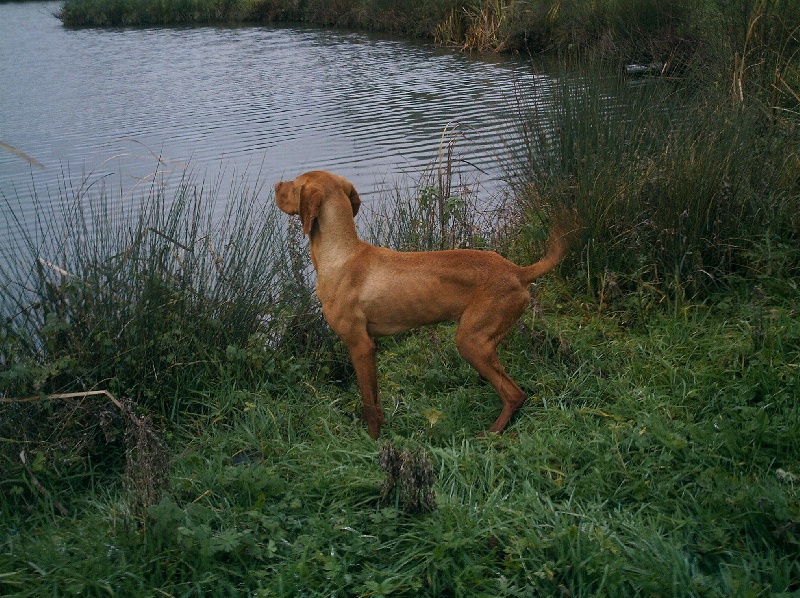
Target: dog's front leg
{"x": 362, "y": 353}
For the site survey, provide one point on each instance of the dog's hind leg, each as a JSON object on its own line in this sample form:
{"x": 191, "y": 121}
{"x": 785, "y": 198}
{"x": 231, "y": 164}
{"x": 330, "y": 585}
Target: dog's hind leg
{"x": 477, "y": 339}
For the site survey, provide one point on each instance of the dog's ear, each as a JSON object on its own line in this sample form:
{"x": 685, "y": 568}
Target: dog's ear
{"x": 311, "y": 197}
{"x": 355, "y": 200}
{"x": 287, "y": 197}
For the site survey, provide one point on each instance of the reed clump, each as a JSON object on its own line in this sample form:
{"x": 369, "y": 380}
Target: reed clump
{"x": 409, "y": 478}
{"x": 672, "y": 184}
{"x": 150, "y": 300}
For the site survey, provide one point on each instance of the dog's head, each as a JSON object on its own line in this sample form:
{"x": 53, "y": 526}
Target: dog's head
{"x": 305, "y": 194}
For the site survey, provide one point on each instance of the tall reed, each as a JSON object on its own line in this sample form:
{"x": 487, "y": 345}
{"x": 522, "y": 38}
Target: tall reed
{"x": 671, "y": 185}
{"x": 152, "y": 300}
{"x": 757, "y": 43}
{"x": 440, "y": 209}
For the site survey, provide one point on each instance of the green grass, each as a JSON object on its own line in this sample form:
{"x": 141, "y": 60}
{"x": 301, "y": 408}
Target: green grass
{"x": 656, "y": 459}
{"x": 657, "y": 455}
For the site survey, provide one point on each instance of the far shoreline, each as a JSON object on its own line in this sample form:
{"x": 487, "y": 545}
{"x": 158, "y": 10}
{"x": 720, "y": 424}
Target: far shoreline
{"x": 617, "y": 32}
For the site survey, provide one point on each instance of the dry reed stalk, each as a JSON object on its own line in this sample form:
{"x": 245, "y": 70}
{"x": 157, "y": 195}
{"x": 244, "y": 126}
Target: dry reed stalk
{"x": 66, "y": 395}
{"x": 484, "y": 32}
{"x": 20, "y": 154}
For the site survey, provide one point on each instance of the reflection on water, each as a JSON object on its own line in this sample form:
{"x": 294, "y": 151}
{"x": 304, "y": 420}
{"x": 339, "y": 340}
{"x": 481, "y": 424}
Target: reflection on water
{"x": 269, "y": 102}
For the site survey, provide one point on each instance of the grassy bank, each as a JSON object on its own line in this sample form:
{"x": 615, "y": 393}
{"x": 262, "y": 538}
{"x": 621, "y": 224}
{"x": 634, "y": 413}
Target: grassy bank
{"x": 658, "y": 454}
{"x": 654, "y": 458}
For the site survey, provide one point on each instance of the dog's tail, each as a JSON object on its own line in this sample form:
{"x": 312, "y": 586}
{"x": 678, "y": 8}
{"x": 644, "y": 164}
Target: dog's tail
{"x": 562, "y": 230}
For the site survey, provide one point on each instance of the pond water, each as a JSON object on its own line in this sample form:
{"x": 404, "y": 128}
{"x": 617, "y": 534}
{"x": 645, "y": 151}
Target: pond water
{"x": 267, "y": 102}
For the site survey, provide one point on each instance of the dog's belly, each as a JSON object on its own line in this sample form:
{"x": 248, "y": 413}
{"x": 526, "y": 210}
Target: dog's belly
{"x": 398, "y": 324}
{"x": 399, "y": 306}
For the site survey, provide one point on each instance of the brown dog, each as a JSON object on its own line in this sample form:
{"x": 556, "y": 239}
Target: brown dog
{"x": 369, "y": 291}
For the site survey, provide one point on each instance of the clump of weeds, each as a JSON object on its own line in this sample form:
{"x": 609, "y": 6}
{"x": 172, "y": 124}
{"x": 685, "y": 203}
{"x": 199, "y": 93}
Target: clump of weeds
{"x": 409, "y": 478}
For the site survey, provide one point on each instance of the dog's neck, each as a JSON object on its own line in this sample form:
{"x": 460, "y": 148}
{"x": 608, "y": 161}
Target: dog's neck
{"x": 333, "y": 239}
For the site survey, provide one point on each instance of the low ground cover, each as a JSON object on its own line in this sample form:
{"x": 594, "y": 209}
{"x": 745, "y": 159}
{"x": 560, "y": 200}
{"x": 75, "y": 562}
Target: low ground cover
{"x": 654, "y": 457}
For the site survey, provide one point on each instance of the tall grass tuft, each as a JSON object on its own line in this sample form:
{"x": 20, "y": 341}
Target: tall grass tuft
{"x": 671, "y": 185}
{"x": 440, "y": 209}
{"x": 152, "y": 300}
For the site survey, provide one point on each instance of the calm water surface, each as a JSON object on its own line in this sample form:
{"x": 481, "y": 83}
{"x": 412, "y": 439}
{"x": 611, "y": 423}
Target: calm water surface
{"x": 262, "y": 102}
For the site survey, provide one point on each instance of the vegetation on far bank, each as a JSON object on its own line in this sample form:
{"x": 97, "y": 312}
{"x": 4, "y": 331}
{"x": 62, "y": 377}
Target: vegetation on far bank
{"x": 177, "y": 418}
{"x": 670, "y": 32}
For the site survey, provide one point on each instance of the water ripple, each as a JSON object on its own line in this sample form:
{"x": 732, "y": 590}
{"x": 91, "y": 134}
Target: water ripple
{"x": 281, "y": 101}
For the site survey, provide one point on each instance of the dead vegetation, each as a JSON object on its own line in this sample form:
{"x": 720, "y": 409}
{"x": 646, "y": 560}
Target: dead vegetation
{"x": 76, "y": 431}
{"x": 409, "y": 479}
